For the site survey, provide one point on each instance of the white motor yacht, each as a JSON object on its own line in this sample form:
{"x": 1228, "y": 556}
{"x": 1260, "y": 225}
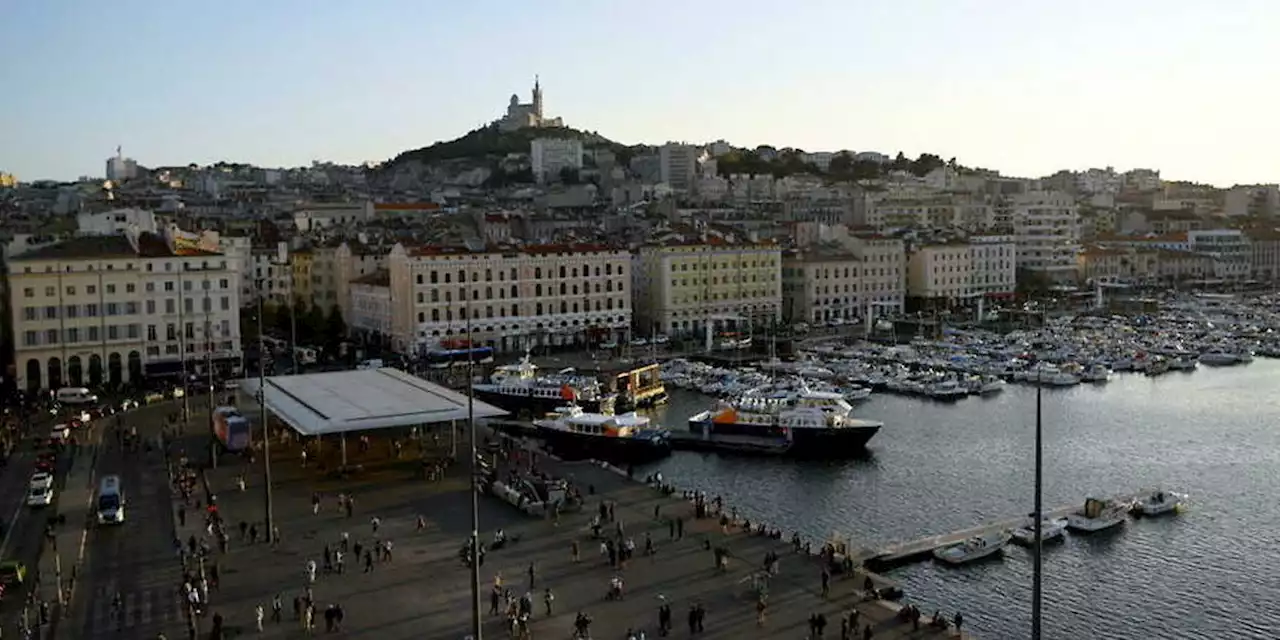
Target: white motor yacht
{"x": 975, "y": 548}
{"x": 857, "y": 394}
{"x": 1159, "y": 503}
{"x": 1050, "y": 530}
{"x": 1096, "y": 373}
{"x": 1097, "y": 515}
{"x": 991, "y": 385}
{"x": 946, "y": 390}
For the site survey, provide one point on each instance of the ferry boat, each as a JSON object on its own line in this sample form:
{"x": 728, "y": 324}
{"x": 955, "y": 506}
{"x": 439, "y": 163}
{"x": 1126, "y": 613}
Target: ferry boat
{"x": 807, "y": 424}
{"x": 520, "y": 389}
{"x": 571, "y": 432}
{"x": 1097, "y": 515}
{"x": 975, "y": 548}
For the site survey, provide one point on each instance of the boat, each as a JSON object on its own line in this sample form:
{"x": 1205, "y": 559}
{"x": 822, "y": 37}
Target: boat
{"x": 571, "y": 432}
{"x": 975, "y": 548}
{"x": 1050, "y": 530}
{"x": 1096, "y": 373}
{"x": 1096, "y": 515}
{"x": 948, "y": 390}
{"x": 1158, "y": 504}
{"x": 1218, "y": 358}
{"x": 991, "y": 385}
{"x": 857, "y": 394}
{"x": 522, "y": 390}
{"x": 806, "y": 424}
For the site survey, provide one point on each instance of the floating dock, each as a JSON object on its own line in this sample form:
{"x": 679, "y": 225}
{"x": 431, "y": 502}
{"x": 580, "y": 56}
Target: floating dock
{"x": 905, "y": 553}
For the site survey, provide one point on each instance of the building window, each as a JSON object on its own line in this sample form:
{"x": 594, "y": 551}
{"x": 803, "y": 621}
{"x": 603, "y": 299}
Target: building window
{"x": 113, "y": 332}
{"x": 226, "y": 303}
{"x": 113, "y": 309}
{"x": 71, "y": 291}
{"x": 206, "y": 304}
{"x": 111, "y": 288}
{"x": 30, "y": 313}
{"x": 131, "y": 308}
{"x": 30, "y": 338}
{"x": 168, "y": 285}
{"x": 169, "y": 306}
{"x": 130, "y": 288}
{"x": 151, "y": 332}
{"x": 94, "y": 334}
{"x": 50, "y": 313}
{"x": 190, "y": 331}
{"x": 28, "y": 292}
{"x": 73, "y": 335}
{"x": 151, "y": 287}
{"x": 223, "y": 283}
{"x": 50, "y": 292}
{"x": 189, "y": 305}
{"x": 51, "y": 336}
{"x": 171, "y": 331}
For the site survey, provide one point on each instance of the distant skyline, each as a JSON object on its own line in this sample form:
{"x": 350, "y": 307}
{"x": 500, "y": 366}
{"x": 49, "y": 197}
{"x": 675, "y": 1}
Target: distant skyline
{"x": 1027, "y": 89}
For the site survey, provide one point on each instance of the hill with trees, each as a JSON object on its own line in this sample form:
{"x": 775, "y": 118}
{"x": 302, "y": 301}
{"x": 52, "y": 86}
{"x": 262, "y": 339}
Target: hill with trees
{"x": 490, "y": 141}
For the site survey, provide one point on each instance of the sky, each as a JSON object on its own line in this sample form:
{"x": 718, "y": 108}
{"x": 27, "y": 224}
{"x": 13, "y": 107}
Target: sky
{"x": 1024, "y": 87}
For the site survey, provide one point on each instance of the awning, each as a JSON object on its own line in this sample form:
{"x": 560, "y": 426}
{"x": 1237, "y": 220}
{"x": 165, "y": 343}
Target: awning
{"x": 343, "y": 401}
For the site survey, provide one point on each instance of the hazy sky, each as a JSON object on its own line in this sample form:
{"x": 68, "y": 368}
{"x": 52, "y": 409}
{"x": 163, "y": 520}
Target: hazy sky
{"x": 1023, "y": 86}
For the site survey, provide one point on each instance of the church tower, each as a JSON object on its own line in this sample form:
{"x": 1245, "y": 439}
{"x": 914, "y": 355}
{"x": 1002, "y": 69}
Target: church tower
{"x": 537, "y": 98}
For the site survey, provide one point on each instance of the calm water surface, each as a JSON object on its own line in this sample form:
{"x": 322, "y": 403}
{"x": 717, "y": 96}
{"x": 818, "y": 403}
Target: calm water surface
{"x": 1211, "y": 572}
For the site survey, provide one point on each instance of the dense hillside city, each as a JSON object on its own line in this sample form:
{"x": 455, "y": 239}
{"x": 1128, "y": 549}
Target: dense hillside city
{"x": 528, "y": 232}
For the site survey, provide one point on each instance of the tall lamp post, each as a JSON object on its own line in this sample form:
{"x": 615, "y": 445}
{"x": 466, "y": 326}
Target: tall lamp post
{"x": 476, "y": 631}
{"x": 266, "y": 432}
{"x": 1037, "y": 546}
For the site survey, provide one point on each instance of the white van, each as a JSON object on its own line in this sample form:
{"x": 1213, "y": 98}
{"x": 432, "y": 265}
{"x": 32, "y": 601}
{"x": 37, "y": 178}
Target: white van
{"x": 110, "y": 501}
{"x": 76, "y": 395}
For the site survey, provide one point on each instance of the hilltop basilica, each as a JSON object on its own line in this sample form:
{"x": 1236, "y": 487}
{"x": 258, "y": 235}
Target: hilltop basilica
{"x": 520, "y": 116}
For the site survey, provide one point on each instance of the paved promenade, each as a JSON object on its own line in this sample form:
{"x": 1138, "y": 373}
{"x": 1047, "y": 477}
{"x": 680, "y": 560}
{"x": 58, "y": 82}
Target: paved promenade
{"x": 424, "y": 592}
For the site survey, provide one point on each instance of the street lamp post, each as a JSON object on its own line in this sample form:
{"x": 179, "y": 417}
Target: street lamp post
{"x": 476, "y": 631}
{"x": 1037, "y": 545}
{"x": 266, "y": 432}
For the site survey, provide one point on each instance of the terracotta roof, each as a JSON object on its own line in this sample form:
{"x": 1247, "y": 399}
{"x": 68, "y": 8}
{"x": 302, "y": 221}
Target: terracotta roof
{"x": 406, "y": 206}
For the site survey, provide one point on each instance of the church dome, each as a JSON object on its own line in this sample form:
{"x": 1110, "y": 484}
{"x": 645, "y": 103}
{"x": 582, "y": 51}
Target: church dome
{"x": 515, "y": 99}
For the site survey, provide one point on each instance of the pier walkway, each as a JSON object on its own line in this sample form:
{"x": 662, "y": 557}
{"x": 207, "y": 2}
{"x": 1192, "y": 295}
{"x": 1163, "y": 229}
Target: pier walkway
{"x": 904, "y": 553}
{"x": 425, "y": 592}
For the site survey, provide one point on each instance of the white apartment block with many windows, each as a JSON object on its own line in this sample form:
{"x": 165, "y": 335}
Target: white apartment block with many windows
{"x": 112, "y": 310}
{"x": 510, "y": 299}
{"x": 940, "y": 272}
{"x": 1046, "y": 226}
{"x": 994, "y": 268}
{"x": 681, "y": 287}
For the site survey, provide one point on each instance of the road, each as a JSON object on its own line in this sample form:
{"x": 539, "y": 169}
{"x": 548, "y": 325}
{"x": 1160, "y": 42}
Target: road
{"x": 24, "y": 526}
{"x": 135, "y": 559}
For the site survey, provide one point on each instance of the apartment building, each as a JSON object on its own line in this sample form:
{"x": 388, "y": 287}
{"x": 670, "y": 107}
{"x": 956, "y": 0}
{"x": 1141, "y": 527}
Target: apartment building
{"x": 821, "y": 285}
{"x": 269, "y": 275}
{"x": 680, "y": 287}
{"x": 550, "y": 156}
{"x": 884, "y": 271}
{"x": 1232, "y": 255}
{"x": 677, "y": 166}
{"x": 941, "y": 212}
{"x": 1046, "y": 225}
{"x": 993, "y": 265}
{"x": 113, "y": 310}
{"x": 353, "y": 260}
{"x": 940, "y": 272}
{"x": 1264, "y": 259}
{"x": 513, "y": 299}
{"x": 369, "y": 314}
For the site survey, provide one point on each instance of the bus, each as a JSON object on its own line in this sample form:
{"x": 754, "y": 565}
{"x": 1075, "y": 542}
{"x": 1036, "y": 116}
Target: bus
{"x": 110, "y": 501}
{"x": 231, "y": 428}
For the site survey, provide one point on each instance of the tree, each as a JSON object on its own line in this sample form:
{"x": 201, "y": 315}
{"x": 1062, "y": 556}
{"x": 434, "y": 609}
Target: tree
{"x": 569, "y": 175}
{"x": 335, "y": 330}
{"x": 311, "y": 325}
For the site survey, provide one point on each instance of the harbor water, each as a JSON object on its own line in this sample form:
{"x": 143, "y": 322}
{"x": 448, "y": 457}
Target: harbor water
{"x": 1207, "y": 572}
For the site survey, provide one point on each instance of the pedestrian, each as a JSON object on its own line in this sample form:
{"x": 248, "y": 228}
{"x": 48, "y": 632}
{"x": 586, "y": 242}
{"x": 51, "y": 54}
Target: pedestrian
{"x": 760, "y": 609}
{"x": 531, "y": 576}
{"x": 826, "y": 583}
{"x": 375, "y": 522}
{"x": 315, "y": 498}
{"x": 258, "y": 614}
{"x": 253, "y": 534}
{"x": 182, "y": 515}
{"x": 959, "y": 622}
{"x": 422, "y": 523}
{"x": 547, "y": 599}
{"x": 368, "y": 561}
{"x": 573, "y": 551}
{"x": 276, "y": 607}
{"x": 866, "y": 632}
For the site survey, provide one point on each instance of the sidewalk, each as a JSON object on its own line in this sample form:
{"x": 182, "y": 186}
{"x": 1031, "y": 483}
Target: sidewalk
{"x": 63, "y": 555}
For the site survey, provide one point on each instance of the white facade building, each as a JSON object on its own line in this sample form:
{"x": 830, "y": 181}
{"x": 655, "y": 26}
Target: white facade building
{"x": 677, "y": 165}
{"x": 121, "y": 168}
{"x": 515, "y": 299}
{"x": 1046, "y": 225}
{"x": 1229, "y": 248}
{"x": 550, "y": 156}
{"x": 115, "y": 222}
{"x": 111, "y": 310}
{"x": 370, "y": 304}
{"x": 993, "y": 263}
